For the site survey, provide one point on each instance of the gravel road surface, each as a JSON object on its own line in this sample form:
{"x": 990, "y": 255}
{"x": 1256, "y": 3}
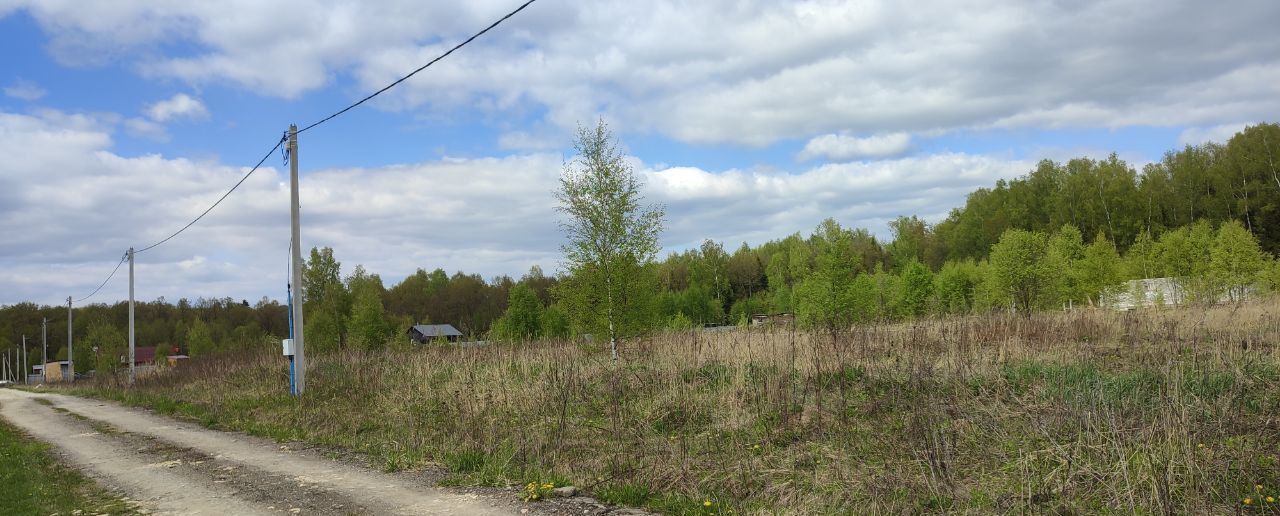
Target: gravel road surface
{"x": 171, "y": 467}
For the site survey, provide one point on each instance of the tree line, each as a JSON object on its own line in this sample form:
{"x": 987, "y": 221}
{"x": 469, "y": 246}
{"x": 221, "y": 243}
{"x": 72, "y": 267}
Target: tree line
{"x": 1065, "y": 233}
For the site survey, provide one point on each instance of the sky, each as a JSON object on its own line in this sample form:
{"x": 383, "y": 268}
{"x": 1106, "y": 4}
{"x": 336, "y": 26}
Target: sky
{"x": 747, "y": 120}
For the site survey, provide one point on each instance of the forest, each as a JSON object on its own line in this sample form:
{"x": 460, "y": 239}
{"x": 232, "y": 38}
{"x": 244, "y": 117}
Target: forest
{"x": 1064, "y": 234}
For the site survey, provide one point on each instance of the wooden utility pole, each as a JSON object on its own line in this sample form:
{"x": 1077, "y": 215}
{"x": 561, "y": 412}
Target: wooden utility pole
{"x": 299, "y": 357}
{"x": 131, "y": 371}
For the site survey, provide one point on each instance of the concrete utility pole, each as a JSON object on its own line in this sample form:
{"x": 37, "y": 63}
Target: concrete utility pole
{"x": 71, "y": 361}
{"x": 24, "y": 359}
{"x": 44, "y": 349}
{"x": 300, "y": 362}
{"x": 131, "y": 372}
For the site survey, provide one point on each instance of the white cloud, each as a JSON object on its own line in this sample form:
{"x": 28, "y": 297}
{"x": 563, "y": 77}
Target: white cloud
{"x": 481, "y": 215}
{"x": 179, "y": 106}
{"x": 1216, "y": 134}
{"x": 844, "y": 147}
{"x": 143, "y": 128}
{"x": 25, "y": 90}
{"x": 523, "y": 140}
{"x": 742, "y": 72}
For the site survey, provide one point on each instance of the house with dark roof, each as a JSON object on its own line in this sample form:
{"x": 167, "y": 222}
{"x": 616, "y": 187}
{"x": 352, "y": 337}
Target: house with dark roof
{"x": 429, "y": 332}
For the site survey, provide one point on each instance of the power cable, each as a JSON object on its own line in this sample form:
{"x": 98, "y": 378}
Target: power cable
{"x": 304, "y": 129}
{"x": 220, "y": 199}
{"x": 104, "y": 282}
{"x": 421, "y": 68}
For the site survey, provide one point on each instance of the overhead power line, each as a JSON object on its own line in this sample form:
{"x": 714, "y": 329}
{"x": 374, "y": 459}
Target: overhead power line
{"x": 421, "y": 68}
{"x": 109, "y": 276}
{"x": 220, "y": 199}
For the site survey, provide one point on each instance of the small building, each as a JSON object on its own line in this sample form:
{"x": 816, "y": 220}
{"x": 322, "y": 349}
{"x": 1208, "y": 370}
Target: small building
{"x": 57, "y": 371}
{"x": 422, "y": 333}
{"x": 782, "y": 319}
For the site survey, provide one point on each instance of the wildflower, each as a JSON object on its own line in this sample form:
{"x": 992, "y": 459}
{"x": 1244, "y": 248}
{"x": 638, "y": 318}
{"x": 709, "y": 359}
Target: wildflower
{"x": 1271, "y": 499}
{"x": 1248, "y": 501}
{"x": 706, "y": 503}
{"x": 1200, "y": 445}
{"x": 756, "y": 447}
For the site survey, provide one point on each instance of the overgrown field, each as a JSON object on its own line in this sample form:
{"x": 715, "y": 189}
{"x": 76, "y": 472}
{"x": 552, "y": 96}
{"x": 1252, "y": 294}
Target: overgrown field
{"x": 1085, "y": 412}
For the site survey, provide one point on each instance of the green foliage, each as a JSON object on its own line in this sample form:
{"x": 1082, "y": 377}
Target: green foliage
{"x": 327, "y": 302}
{"x": 1186, "y": 255}
{"x": 1143, "y": 259}
{"x": 680, "y": 322}
{"x": 1062, "y": 258}
{"x": 745, "y": 308}
{"x": 1098, "y": 271}
{"x": 1236, "y": 261}
{"x": 368, "y": 326}
{"x": 555, "y": 323}
{"x": 917, "y": 289}
{"x": 200, "y": 340}
{"x": 523, "y": 319}
{"x": 954, "y": 285}
{"x": 1018, "y": 268}
{"x": 822, "y": 298}
{"x": 612, "y": 241}
{"x": 107, "y": 345}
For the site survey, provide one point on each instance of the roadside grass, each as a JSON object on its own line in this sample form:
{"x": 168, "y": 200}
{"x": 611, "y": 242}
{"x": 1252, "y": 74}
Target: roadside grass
{"x": 1162, "y": 411}
{"x": 32, "y": 482}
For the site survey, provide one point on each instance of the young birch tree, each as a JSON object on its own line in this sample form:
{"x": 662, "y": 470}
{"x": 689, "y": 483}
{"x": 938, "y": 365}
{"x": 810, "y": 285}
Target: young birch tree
{"x": 612, "y": 240}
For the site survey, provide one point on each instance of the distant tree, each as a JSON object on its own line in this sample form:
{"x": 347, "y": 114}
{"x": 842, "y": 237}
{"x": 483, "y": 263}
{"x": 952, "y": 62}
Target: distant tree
{"x": 199, "y": 339}
{"x": 162, "y": 355}
{"x": 778, "y": 272}
{"x": 555, "y": 324}
{"x": 1098, "y": 270}
{"x": 612, "y": 241}
{"x": 1018, "y": 268}
{"x": 326, "y": 301}
{"x": 523, "y": 319}
{"x": 822, "y": 298}
{"x": 108, "y": 345}
{"x": 917, "y": 288}
{"x": 888, "y": 294}
{"x": 1185, "y": 253}
{"x": 1236, "y": 260}
{"x": 911, "y": 238}
{"x": 368, "y": 327}
{"x": 954, "y": 286}
{"x": 746, "y": 273}
{"x": 1064, "y": 251}
{"x": 710, "y": 270}
{"x": 1143, "y": 259}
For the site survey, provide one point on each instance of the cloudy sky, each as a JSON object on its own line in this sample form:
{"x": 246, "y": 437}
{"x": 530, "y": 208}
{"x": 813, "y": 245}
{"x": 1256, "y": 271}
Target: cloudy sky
{"x": 121, "y": 121}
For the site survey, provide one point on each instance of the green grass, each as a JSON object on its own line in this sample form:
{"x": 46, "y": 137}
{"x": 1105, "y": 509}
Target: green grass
{"x": 32, "y": 482}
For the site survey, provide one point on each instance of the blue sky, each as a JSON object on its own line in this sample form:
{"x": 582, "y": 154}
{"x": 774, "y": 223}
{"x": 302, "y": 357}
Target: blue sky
{"x": 748, "y": 120}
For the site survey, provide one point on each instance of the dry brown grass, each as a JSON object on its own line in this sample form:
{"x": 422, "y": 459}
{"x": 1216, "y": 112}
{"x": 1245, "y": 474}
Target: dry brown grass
{"x": 1079, "y": 412}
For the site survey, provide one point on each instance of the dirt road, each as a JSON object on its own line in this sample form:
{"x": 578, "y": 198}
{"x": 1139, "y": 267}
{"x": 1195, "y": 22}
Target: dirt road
{"x": 171, "y": 467}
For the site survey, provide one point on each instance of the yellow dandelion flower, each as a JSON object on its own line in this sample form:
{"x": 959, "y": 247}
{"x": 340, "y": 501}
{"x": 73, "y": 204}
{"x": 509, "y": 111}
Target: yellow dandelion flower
{"x": 706, "y": 503}
{"x": 1271, "y": 499}
{"x": 1257, "y": 487}
{"x": 1248, "y": 501}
